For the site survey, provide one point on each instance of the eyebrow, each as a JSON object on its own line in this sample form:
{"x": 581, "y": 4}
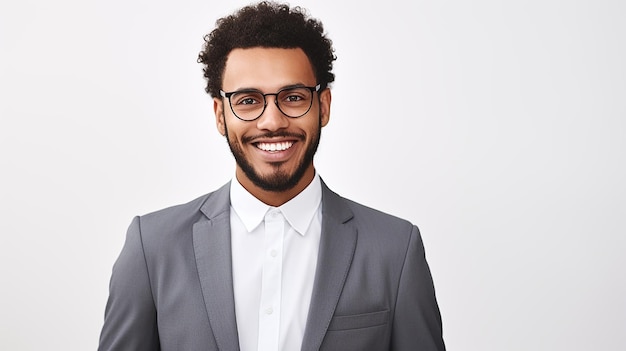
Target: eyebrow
{"x": 250, "y": 89}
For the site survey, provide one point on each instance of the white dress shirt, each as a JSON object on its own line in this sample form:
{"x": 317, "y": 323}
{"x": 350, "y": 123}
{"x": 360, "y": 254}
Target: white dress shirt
{"x": 274, "y": 253}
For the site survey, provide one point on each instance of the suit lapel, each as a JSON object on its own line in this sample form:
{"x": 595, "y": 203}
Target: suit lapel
{"x": 211, "y": 240}
{"x": 337, "y": 246}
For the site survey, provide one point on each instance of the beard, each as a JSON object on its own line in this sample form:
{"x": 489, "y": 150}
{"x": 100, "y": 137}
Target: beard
{"x": 279, "y": 180}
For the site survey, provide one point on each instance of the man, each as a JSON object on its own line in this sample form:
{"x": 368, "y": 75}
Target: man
{"x": 273, "y": 260}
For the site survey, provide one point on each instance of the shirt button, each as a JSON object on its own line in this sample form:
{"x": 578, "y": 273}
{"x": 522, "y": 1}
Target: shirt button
{"x": 269, "y": 311}
{"x": 273, "y": 253}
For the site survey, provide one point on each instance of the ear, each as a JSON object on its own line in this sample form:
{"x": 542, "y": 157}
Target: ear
{"x": 218, "y": 108}
{"x": 325, "y": 98}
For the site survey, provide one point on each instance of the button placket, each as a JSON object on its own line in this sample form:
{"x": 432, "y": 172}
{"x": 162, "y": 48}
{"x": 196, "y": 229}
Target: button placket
{"x": 269, "y": 313}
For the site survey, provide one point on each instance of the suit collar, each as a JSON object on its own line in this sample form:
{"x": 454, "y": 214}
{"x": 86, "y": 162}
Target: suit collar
{"x": 217, "y": 202}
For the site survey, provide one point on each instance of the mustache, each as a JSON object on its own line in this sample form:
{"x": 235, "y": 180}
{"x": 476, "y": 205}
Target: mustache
{"x": 268, "y": 135}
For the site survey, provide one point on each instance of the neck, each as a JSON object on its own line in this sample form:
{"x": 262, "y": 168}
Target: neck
{"x": 275, "y": 198}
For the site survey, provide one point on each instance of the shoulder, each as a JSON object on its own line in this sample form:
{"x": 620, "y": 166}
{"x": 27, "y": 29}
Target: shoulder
{"x": 179, "y": 219}
{"x": 365, "y": 218}
{"x": 382, "y": 239}
{"x": 374, "y": 221}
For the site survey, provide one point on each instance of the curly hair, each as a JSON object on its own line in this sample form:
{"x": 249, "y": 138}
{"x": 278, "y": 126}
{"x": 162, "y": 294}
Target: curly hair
{"x": 266, "y": 24}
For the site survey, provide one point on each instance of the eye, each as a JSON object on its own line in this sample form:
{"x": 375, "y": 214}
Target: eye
{"x": 248, "y": 101}
{"x": 294, "y": 96}
{"x": 247, "y": 98}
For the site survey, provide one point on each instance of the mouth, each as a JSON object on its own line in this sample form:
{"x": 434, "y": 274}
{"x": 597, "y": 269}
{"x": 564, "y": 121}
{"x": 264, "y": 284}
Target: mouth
{"x": 274, "y": 147}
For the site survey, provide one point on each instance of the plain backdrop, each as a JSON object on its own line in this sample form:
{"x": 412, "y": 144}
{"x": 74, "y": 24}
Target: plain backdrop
{"x": 498, "y": 127}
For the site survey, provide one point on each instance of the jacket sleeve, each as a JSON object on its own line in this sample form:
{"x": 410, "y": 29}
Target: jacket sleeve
{"x": 417, "y": 320}
{"x": 130, "y": 316}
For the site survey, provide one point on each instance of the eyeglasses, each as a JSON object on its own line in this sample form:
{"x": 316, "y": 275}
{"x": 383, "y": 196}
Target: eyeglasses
{"x": 250, "y": 104}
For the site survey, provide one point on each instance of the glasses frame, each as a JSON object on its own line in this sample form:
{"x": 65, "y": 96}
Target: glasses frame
{"x": 229, "y": 94}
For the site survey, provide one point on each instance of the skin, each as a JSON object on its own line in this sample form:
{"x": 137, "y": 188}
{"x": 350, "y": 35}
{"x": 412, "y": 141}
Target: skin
{"x": 269, "y": 70}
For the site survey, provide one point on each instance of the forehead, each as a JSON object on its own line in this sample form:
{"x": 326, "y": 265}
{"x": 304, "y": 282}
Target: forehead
{"x": 267, "y": 69}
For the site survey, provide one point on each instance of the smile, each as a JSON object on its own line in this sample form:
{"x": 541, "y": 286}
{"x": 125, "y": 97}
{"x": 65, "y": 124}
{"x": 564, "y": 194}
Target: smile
{"x": 274, "y": 147}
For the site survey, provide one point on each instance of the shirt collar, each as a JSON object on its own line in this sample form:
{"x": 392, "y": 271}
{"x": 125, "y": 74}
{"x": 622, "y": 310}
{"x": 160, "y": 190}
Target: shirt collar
{"x": 298, "y": 211}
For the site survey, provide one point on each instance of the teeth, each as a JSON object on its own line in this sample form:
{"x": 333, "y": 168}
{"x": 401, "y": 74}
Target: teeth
{"x": 275, "y": 146}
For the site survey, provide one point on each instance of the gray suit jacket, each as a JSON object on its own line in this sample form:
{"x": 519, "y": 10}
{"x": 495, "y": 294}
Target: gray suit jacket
{"x": 172, "y": 288}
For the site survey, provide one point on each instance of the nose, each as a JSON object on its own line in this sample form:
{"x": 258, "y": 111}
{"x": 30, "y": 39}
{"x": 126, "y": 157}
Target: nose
{"x": 272, "y": 118}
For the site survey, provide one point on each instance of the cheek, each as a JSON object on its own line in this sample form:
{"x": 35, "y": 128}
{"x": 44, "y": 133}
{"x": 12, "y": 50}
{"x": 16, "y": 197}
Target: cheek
{"x": 232, "y": 130}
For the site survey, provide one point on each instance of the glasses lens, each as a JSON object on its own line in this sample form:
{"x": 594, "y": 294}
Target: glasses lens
{"x": 295, "y": 102}
{"x": 247, "y": 105}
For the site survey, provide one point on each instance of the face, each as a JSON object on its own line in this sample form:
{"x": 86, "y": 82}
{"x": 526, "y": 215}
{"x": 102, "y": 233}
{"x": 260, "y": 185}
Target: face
{"x": 274, "y": 152}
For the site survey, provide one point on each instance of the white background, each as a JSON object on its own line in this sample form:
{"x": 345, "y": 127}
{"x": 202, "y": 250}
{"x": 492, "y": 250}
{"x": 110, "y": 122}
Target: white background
{"x": 498, "y": 127}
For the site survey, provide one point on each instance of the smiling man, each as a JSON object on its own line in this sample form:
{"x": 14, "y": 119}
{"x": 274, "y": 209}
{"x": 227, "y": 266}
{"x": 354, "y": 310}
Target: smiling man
{"x": 273, "y": 260}
{"x": 274, "y": 153}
